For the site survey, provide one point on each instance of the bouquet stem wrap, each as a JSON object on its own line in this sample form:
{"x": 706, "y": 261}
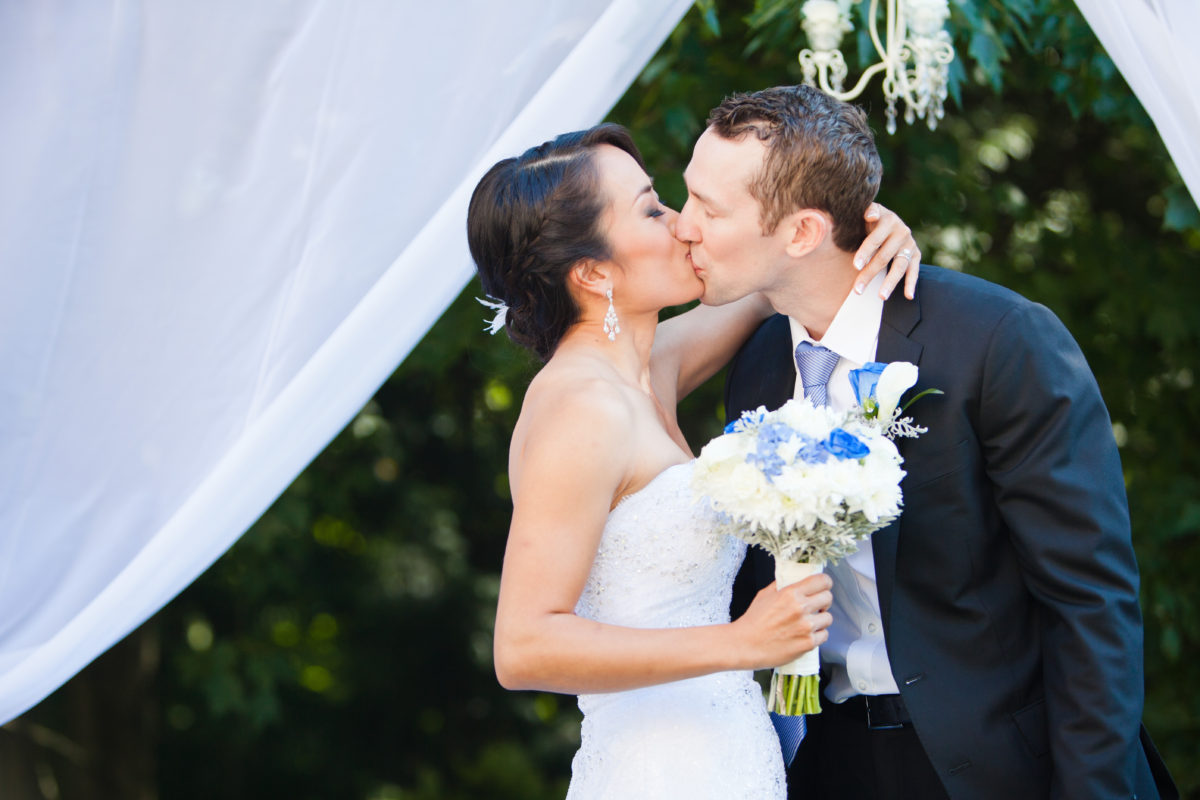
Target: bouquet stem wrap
{"x": 795, "y": 686}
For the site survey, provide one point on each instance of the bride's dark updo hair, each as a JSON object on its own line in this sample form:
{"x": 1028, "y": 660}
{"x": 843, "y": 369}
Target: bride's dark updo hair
{"x": 534, "y": 217}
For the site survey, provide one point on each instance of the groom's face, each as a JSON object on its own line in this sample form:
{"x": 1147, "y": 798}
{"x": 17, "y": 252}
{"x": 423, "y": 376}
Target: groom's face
{"x": 721, "y": 220}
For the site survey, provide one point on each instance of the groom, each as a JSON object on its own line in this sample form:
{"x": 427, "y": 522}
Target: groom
{"x": 989, "y": 643}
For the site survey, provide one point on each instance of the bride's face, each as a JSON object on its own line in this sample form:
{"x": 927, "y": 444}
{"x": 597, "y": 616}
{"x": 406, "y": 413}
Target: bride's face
{"x": 652, "y": 265}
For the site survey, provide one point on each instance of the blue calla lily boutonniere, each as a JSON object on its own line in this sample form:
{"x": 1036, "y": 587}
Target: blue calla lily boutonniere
{"x": 863, "y": 381}
{"x": 878, "y": 388}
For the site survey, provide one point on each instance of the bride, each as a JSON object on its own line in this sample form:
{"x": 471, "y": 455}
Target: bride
{"x": 614, "y": 585}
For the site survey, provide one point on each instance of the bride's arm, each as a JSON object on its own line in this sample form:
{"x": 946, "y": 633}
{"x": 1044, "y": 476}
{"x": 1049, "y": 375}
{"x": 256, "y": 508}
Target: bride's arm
{"x": 694, "y": 345}
{"x": 573, "y": 460}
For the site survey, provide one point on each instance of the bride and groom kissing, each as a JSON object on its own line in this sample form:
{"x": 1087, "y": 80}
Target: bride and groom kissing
{"x": 988, "y": 644}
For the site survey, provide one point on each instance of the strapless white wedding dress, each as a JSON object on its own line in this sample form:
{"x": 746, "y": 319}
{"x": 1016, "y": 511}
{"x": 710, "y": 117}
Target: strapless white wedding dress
{"x": 661, "y": 565}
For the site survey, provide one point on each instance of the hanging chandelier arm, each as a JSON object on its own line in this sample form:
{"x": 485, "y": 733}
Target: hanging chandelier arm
{"x": 873, "y": 29}
{"x": 863, "y": 80}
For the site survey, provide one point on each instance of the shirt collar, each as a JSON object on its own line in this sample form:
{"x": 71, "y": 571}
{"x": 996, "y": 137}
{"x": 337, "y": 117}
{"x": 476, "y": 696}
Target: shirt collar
{"x": 854, "y": 332}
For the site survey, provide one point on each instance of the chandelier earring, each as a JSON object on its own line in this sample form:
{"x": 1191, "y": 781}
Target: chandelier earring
{"x": 611, "y": 326}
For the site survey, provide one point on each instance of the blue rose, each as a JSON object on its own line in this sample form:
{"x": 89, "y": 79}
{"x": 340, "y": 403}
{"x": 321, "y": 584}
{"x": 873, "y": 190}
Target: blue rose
{"x": 845, "y": 445}
{"x": 863, "y": 380}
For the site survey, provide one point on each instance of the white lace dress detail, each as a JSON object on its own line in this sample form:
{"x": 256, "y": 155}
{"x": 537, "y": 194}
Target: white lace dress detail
{"x": 661, "y": 565}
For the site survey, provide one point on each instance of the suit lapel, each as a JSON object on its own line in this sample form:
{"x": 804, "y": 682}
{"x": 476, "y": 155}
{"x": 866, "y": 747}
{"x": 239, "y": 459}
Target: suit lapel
{"x": 774, "y": 373}
{"x": 900, "y": 316}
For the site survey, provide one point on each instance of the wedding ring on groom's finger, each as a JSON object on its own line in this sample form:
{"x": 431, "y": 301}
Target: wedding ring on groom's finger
{"x": 906, "y": 254}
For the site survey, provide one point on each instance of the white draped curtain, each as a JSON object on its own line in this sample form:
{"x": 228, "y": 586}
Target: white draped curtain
{"x": 1153, "y": 44}
{"x": 222, "y": 226}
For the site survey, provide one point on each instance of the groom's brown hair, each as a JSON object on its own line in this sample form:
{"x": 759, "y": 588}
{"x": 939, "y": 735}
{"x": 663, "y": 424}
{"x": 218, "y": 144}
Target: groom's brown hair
{"x": 820, "y": 154}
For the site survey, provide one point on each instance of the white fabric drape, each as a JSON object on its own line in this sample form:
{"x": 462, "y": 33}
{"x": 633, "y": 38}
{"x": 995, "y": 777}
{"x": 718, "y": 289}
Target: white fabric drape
{"x": 1152, "y": 44}
{"x": 222, "y": 226}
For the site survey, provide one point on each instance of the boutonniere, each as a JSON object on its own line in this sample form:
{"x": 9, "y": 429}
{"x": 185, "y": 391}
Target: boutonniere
{"x": 878, "y": 388}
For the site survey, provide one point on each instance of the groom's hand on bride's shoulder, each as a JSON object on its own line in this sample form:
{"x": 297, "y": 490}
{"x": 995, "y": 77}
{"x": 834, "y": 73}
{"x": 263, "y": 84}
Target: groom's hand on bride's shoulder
{"x": 888, "y": 242}
{"x": 781, "y": 625}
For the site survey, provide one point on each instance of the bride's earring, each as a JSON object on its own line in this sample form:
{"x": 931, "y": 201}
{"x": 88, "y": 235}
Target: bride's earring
{"x": 611, "y": 326}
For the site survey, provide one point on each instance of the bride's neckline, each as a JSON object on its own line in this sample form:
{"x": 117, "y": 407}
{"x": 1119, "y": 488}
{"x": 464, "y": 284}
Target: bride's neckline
{"x": 650, "y": 483}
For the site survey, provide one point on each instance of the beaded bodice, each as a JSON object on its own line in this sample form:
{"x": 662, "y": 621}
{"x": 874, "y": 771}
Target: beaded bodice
{"x": 660, "y": 563}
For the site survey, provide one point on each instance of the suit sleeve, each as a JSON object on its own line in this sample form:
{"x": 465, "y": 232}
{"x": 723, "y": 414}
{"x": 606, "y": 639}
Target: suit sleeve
{"x": 1059, "y": 487}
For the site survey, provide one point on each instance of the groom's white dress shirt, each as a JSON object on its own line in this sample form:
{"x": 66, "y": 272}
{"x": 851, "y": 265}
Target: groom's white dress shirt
{"x": 855, "y": 651}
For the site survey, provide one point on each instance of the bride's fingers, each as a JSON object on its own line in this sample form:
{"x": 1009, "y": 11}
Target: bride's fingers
{"x": 814, "y": 585}
{"x": 885, "y": 240}
{"x": 905, "y": 265}
{"x": 881, "y": 224}
{"x": 910, "y": 276}
{"x": 900, "y": 251}
{"x": 814, "y": 611}
{"x": 814, "y": 631}
{"x": 819, "y": 601}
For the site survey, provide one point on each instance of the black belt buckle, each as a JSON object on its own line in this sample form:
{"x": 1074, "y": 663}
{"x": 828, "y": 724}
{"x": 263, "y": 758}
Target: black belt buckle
{"x": 883, "y": 715}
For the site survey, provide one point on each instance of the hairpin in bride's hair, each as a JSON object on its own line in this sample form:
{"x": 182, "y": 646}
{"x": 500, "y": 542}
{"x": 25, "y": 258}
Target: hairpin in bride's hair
{"x": 501, "y": 316}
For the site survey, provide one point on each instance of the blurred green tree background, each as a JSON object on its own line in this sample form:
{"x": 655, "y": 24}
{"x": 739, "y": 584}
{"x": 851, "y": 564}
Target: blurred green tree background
{"x": 342, "y": 649}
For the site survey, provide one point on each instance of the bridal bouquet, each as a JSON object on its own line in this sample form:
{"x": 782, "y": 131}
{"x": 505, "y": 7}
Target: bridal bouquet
{"x": 807, "y": 484}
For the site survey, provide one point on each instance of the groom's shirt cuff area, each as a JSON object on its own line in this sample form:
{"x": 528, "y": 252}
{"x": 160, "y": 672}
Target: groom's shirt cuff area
{"x": 855, "y": 651}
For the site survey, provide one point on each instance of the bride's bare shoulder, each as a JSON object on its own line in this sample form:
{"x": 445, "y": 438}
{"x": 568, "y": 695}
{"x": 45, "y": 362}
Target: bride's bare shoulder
{"x": 571, "y": 386}
{"x": 575, "y": 401}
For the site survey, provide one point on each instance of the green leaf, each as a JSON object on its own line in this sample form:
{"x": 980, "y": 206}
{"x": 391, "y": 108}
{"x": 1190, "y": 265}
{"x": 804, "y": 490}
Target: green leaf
{"x": 708, "y": 11}
{"x": 970, "y": 10}
{"x": 1181, "y": 213}
{"x": 918, "y": 397}
{"x": 988, "y": 51}
{"x": 1021, "y": 9}
{"x": 955, "y": 80}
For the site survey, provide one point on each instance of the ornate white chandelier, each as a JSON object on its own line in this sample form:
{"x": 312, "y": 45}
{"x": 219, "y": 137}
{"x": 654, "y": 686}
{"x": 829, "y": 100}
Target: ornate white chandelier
{"x": 915, "y": 58}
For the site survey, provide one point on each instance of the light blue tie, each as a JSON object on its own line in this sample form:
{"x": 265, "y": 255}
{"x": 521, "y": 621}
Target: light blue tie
{"x": 816, "y": 364}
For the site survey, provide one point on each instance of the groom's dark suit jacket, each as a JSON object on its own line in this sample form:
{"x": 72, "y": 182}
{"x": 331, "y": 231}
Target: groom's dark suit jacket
{"x": 1008, "y": 587}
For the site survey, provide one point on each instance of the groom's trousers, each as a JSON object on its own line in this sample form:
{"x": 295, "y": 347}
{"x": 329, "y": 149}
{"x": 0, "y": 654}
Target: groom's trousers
{"x": 842, "y": 758}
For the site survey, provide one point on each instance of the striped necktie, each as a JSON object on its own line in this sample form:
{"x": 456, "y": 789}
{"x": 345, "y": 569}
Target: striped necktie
{"x": 816, "y": 364}
{"x": 791, "y": 732}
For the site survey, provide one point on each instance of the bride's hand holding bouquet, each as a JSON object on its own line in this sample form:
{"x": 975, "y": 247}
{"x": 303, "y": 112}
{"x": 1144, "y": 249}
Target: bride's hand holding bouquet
{"x": 781, "y": 626}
